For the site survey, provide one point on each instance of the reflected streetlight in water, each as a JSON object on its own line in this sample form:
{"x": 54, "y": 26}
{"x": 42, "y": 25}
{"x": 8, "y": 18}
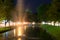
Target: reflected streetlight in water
{"x": 19, "y": 39}
{"x": 14, "y": 32}
{"x": 20, "y": 28}
{"x": 20, "y": 31}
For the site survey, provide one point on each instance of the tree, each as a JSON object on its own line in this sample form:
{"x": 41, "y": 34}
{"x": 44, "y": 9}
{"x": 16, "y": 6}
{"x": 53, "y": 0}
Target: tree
{"x": 42, "y": 9}
{"x": 32, "y": 17}
{"x": 54, "y": 11}
{"x": 5, "y": 9}
{"x": 49, "y": 12}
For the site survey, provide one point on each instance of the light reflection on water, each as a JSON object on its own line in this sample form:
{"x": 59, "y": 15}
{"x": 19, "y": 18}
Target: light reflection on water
{"x": 20, "y": 31}
{"x": 19, "y": 39}
{"x": 15, "y": 34}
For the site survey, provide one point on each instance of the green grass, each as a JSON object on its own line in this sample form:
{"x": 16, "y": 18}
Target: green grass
{"x": 53, "y": 30}
{"x": 4, "y": 29}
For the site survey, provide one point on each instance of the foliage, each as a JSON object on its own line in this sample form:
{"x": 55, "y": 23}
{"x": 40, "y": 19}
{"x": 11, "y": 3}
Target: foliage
{"x": 42, "y": 9}
{"x": 32, "y": 17}
{"x": 49, "y": 12}
{"x": 5, "y": 9}
{"x": 53, "y": 11}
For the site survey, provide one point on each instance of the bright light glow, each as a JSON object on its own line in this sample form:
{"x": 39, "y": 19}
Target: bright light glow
{"x": 14, "y": 23}
{"x": 19, "y": 39}
{"x": 21, "y": 23}
{"x": 52, "y": 23}
{"x": 43, "y": 23}
{"x": 14, "y": 32}
{"x": 18, "y": 23}
{"x": 20, "y": 27}
{"x": 49, "y": 23}
{"x": 56, "y": 24}
{"x": 24, "y": 22}
{"x": 20, "y": 31}
{"x": 33, "y": 23}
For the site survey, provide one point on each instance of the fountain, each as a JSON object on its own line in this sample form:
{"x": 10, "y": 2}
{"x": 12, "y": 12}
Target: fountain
{"x": 20, "y": 10}
{"x": 20, "y": 18}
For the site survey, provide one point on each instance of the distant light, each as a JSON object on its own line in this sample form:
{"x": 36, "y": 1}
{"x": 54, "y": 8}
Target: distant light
{"x": 19, "y": 23}
{"x": 33, "y": 23}
{"x": 43, "y": 23}
{"x": 49, "y": 23}
{"x": 19, "y": 39}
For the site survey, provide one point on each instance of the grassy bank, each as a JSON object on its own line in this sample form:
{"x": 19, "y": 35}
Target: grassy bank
{"x": 53, "y": 30}
{"x": 4, "y": 29}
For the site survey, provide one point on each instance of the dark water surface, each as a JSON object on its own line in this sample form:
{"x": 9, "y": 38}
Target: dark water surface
{"x": 15, "y": 34}
{"x": 26, "y": 32}
{"x": 9, "y": 36}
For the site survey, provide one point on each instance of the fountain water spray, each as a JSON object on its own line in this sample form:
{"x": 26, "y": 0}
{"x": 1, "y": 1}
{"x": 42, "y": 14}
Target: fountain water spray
{"x": 21, "y": 17}
{"x": 20, "y": 10}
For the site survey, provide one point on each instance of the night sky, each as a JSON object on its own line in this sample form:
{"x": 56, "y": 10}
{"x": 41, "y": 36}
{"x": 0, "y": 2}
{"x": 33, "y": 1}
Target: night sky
{"x": 33, "y": 4}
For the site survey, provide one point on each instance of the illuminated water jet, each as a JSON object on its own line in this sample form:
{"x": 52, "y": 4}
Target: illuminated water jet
{"x": 20, "y": 17}
{"x": 20, "y": 10}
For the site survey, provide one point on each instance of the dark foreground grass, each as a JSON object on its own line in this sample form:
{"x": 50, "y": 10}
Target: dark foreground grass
{"x": 4, "y": 29}
{"x": 53, "y": 30}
